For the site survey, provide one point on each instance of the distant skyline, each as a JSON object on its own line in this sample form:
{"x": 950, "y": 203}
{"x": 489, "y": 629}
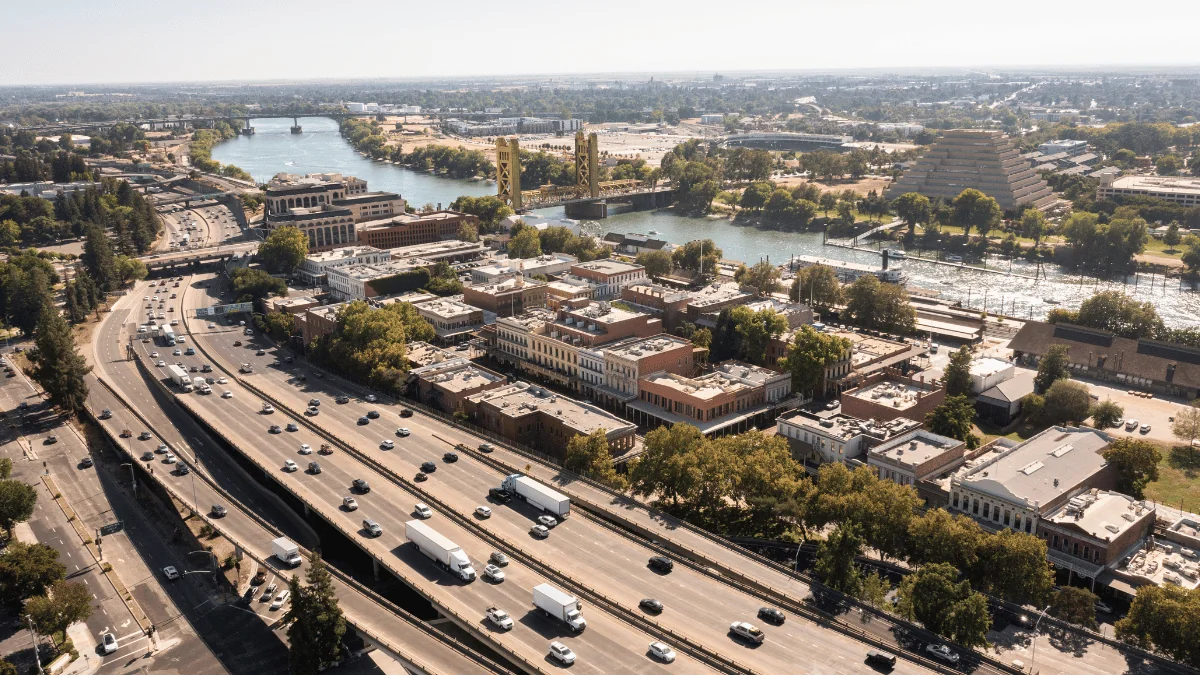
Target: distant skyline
{"x": 137, "y": 41}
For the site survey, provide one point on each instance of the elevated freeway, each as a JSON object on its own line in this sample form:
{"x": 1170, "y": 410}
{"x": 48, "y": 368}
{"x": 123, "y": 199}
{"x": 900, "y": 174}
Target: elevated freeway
{"x": 699, "y": 608}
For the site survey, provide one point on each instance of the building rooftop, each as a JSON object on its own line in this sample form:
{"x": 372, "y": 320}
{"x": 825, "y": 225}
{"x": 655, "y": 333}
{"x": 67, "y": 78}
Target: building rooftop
{"x": 436, "y": 249}
{"x": 372, "y": 271}
{"x": 987, "y": 366}
{"x": 1176, "y": 185}
{"x": 868, "y": 348}
{"x": 599, "y": 313}
{"x": 368, "y": 197}
{"x": 899, "y": 395}
{"x": 746, "y": 373}
{"x": 424, "y": 354}
{"x": 509, "y": 285}
{"x": 1040, "y": 469}
{"x": 915, "y": 448}
{"x": 1013, "y": 389}
{"x": 1100, "y": 514}
{"x": 530, "y": 320}
{"x": 520, "y": 399}
{"x": 447, "y": 309}
{"x": 569, "y": 290}
{"x": 341, "y": 254}
{"x": 406, "y": 218}
{"x": 638, "y": 347}
{"x": 668, "y": 295}
{"x": 844, "y": 427}
{"x": 704, "y": 388}
{"x": 457, "y": 375}
{"x": 716, "y": 294}
{"x": 607, "y": 266}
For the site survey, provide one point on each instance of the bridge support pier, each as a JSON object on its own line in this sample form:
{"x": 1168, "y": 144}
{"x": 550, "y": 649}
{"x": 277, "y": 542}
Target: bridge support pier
{"x": 587, "y": 210}
{"x": 307, "y": 511}
{"x": 247, "y": 130}
{"x": 296, "y": 126}
{"x": 375, "y": 569}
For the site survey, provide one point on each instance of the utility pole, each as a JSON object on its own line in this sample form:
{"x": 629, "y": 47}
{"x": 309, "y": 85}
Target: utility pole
{"x": 36, "y": 654}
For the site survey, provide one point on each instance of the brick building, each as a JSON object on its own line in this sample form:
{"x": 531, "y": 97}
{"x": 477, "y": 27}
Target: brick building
{"x": 507, "y": 297}
{"x": 666, "y": 303}
{"x": 887, "y": 395}
{"x": 409, "y": 229}
{"x": 608, "y": 276}
{"x": 445, "y": 385}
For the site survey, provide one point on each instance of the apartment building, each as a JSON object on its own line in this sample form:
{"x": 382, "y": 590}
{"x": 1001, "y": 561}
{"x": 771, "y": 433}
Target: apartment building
{"x": 445, "y": 385}
{"x": 733, "y": 399}
{"x": 506, "y": 297}
{"x": 622, "y": 364}
{"x": 609, "y": 276}
{"x": 547, "y": 422}
{"x": 410, "y": 229}
{"x": 315, "y": 265}
{"x": 453, "y": 321}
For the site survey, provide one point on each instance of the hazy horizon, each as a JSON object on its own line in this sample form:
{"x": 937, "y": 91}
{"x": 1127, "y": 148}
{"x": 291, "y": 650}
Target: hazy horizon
{"x": 259, "y": 43}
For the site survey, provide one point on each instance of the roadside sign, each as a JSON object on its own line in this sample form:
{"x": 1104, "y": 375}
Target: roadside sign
{"x": 221, "y": 310}
{"x": 111, "y": 528}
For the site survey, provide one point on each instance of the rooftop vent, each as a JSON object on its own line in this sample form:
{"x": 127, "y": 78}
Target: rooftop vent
{"x": 1030, "y": 468}
{"x": 1062, "y": 450}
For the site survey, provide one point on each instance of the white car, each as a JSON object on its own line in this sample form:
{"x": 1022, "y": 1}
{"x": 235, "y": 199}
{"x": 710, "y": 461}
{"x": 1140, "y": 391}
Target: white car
{"x": 1130, "y": 425}
{"x": 422, "y": 511}
{"x": 662, "y": 652}
{"x": 110, "y": 643}
{"x": 268, "y": 408}
{"x": 227, "y": 394}
{"x": 170, "y": 458}
{"x": 387, "y": 445}
{"x": 1145, "y": 428}
{"x": 289, "y": 466}
{"x": 539, "y": 531}
{"x": 280, "y": 599}
{"x": 747, "y": 631}
{"x": 371, "y": 398}
{"x": 305, "y": 449}
{"x": 562, "y": 653}
{"x": 170, "y": 572}
{"x": 499, "y": 618}
{"x": 483, "y": 512}
{"x": 402, "y": 431}
{"x": 548, "y": 521}
{"x": 162, "y": 364}
{"x": 179, "y": 339}
{"x": 494, "y": 573}
{"x": 350, "y": 503}
{"x": 222, "y": 380}
{"x": 154, "y": 355}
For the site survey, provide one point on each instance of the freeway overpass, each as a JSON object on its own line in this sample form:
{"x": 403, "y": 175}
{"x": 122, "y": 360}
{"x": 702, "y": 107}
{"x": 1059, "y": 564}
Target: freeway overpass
{"x": 199, "y": 256}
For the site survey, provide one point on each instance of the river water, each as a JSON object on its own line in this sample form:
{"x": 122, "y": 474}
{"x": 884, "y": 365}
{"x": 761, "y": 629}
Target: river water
{"x": 273, "y": 149}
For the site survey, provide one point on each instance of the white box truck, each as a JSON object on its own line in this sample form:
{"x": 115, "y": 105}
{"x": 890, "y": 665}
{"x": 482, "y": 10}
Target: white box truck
{"x": 439, "y": 549}
{"x": 287, "y": 552}
{"x": 553, "y": 502}
{"x": 559, "y": 605}
{"x": 179, "y": 376}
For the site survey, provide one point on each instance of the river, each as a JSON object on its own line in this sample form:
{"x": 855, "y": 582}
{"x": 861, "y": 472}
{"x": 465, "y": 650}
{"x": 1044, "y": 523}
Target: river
{"x": 274, "y": 149}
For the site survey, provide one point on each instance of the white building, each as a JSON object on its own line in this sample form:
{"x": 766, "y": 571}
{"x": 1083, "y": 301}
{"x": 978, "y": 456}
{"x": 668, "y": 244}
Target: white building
{"x": 987, "y": 372}
{"x": 1070, "y": 147}
{"x": 552, "y": 263}
{"x": 352, "y": 282}
{"x": 453, "y": 321}
{"x": 315, "y": 265}
{"x": 712, "y": 119}
{"x": 825, "y": 437}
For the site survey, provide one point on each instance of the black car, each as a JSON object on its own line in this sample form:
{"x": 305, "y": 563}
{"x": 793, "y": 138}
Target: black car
{"x": 450, "y": 457}
{"x": 881, "y": 658}
{"x": 771, "y": 615}
{"x": 105, "y": 414}
{"x": 218, "y": 511}
{"x": 364, "y": 420}
{"x": 651, "y": 605}
{"x": 502, "y": 496}
{"x": 183, "y": 470}
{"x": 288, "y": 359}
{"x": 428, "y": 467}
{"x": 662, "y": 564}
{"x": 342, "y": 399}
{"x": 421, "y": 477}
{"x": 148, "y": 456}
{"x": 405, "y": 412}
{"x": 361, "y": 486}
{"x": 373, "y": 414}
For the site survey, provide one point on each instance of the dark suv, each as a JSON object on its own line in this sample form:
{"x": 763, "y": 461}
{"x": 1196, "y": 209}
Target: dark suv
{"x": 499, "y": 495}
{"x": 450, "y": 457}
{"x": 771, "y": 615}
{"x": 361, "y": 485}
{"x": 428, "y": 467}
{"x": 662, "y": 564}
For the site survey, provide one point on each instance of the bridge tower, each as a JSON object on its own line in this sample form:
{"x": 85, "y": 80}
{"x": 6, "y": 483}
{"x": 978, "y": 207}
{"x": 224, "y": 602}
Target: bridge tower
{"x": 247, "y": 130}
{"x": 587, "y": 161}
{"x": 296, "y": 126}
{"x": 508, "y": 172}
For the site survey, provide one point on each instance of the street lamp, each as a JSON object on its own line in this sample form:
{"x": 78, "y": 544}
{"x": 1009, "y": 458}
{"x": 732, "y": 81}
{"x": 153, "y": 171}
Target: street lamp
{"x": 1033, "y": 659}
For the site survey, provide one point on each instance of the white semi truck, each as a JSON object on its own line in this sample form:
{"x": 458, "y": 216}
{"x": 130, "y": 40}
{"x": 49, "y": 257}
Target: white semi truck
{"x": 287, "y": 552}
{"x": 180, "y": 377}
{"x": 439, "y": 549}
{"x": 559, "y": 605}
{"x": 546, "y": 499}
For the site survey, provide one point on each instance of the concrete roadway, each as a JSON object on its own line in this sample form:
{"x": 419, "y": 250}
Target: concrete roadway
{"x": 608, "y": 645}
{"x": 341, "y": 421}
{"x": 695, "y": 605}
{"x": 175, "y": 427}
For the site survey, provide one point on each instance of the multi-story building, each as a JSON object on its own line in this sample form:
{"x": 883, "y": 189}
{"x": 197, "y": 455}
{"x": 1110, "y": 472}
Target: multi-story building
{"x": 410, "y": 229}
{"x": 359, "y": 282}
{"x": 318, "y": 321}
{"x": 1012, "y": 487}
{"x": 327, "y": 226}
{"x": 544, "y": 421}
{"x": 1178, "y": 189}
{"x": 288, "y": 191}
{"x": 372, "y": 205}
{"x": 915, "y": 457}
{"x": 714, "y": 298}
{"x": 546, "y": 265}
{"x": 796, "y": 314}
{"x": 668, "y": 304}
{"x": 608, "y": 276}
{"x": 453, "y": 321}
{"x": 1069, "y": 146}
{"x": 447, "y": 384}
{"x": 561, "y": 294}
{"x": 451, "y": 251}
{"x": 315, "y": 265}
{"x": 734, "y": 399}
{"x": 1095, "y": 529}
{"x": 506, "y": 297}
{"x": 887, "y": 395}
{"x": 622, "y": 364}
{"x": 824, "y": 437}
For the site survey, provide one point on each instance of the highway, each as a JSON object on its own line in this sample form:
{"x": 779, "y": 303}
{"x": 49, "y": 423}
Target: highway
{"x": 419, "y": 646}
{"x": 696, "y": 607}
{"x": 606, "y": 646}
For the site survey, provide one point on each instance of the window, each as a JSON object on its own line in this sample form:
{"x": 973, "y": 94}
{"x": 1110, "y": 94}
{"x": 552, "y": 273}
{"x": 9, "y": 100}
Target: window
{"x": 986, "y": 510}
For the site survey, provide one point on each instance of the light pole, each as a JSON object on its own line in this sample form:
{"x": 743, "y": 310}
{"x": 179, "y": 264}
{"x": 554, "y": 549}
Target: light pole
{"x": 36, "y": 654}
{"x": 1033, "y": 659}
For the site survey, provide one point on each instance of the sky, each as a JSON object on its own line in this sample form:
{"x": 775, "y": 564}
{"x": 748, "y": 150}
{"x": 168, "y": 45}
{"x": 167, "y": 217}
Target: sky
{"x": 132, "y": 41}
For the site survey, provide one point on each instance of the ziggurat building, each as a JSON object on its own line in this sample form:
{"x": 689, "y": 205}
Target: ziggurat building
{"x": 968, "y": 158}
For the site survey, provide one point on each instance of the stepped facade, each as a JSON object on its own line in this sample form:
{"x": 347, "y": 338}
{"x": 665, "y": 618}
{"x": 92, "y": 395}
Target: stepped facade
{"x": 987, "y": 161}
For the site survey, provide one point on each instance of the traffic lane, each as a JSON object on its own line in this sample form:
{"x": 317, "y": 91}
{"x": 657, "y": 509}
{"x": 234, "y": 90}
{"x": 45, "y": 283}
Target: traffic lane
{"x": 245, "y": 424}
{"x": 696, "y": 606}
{"x": 606, "y": 636}
{"x": 252, "y": 537}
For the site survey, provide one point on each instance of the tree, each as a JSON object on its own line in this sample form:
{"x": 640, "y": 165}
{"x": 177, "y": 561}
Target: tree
{"x": 1075, "y": 605}
{"x": 662, "y": 469}
{"x": 1066, "y": 402}
{"x": 699, "y": 256}
{"x": 817, "y": 285}
{"x": 1172, "y": 237}
{"x": 98, "y": 259}
{"x": 657, "y": 263}
{"x": 314, "y": 622}
{"x": 934, "y": 596}
{"x": 1191, "y": 256}
{"x": 284, "y": 250}
{"x": 1164, "y": 618}
{"x": 958, "y": 373}
{"x": 468, "y": 232}
{"x": 64, "y": 604}
{"x": 6, "y": 467}
{"x": 489, "y": 209}
{"x": 1186, "y": 426}
{"x": 1168, "y": 164}
{"x": 811, "y": 352}
{"x": 1106, "y": 414}
{"x": 130, "y": 269}
{"x": 873, "y": 304}
{"x": 973, "y": 208}
{"x": 525, "y": 244}
{"x": 590, "y": 456}
{"x": 1052, "y": 367}
{"x": 16, "y": 503}
{"x": 1013, "y": 566}
{"x": 763, "y": 276}
{"x": 940, "y": 537}
{"x": 27, "y": 570}
{"x": 7, "y": 668}
{"x": 913, "y": 208}
{"x": 953, "y": 419}
{"x": 27, "y": 294}
{"x": 741, "y": 333}
{"x": 835, "y": 559}
{"x": 1136, "y": 462}
{"x": 1118, "y": 313}
{"x": 57, "y": 365}
{"x": 828, "y": 202}
{"x": 251, "y": 284}
{"x": 754, "y": 197}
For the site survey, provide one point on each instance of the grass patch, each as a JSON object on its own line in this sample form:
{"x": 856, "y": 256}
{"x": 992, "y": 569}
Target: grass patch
{"x": 1023, "y": 431}
{"x": 1178, "y": 478}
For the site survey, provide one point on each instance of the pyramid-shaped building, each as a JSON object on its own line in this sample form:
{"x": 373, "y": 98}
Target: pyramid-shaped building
{"x": 969, "y": 158}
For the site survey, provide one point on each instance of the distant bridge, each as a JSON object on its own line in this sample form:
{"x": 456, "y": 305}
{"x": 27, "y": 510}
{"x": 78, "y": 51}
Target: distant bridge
{"x": 784, "y": 140}
{"x": 198, "y": 121}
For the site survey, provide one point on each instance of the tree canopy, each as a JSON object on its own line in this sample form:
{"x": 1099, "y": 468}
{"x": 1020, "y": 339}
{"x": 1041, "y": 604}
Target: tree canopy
{"x": 315, "y": 624}
{"x": 283, "y": 250}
